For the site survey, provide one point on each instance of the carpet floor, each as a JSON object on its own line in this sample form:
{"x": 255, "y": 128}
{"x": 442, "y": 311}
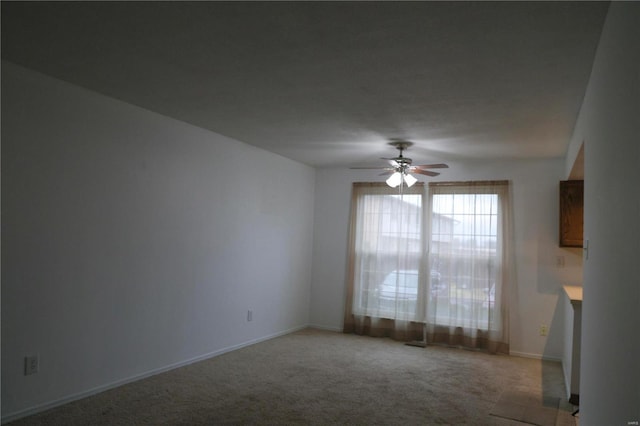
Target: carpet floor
{"x": 315, "y": 377}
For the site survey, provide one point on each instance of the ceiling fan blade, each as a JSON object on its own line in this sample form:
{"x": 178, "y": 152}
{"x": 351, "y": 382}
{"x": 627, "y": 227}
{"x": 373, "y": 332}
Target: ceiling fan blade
{"x": 433, "y": 166}
{"x": 388, "y": 172}
{"x": 391, "y": 161}
{"x": 370, "y": 168}
{"x": 424, "y": 172}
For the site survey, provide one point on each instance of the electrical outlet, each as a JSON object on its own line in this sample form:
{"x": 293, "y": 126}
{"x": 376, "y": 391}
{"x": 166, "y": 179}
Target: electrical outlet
{"x": 249, "y": 315}
{"x": 544, "y": 330}
{"x": 560, "y": 261}
{"x": 31, "y": 364}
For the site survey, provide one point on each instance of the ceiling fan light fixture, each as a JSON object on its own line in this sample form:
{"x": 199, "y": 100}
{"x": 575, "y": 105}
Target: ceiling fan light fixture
{"x": 394, "y": 180}
{"x": 400, "y": 166}
{"x": 409, "y": 180}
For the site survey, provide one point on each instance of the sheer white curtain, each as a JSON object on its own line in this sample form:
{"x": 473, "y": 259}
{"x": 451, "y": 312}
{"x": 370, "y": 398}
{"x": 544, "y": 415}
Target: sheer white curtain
{"x": 387, "y": 279}
{"x": 470, "y": 262}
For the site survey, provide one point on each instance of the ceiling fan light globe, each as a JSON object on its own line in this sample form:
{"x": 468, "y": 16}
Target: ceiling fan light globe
{"x": 409, "y": 180}
{"x": 394, "y": 180}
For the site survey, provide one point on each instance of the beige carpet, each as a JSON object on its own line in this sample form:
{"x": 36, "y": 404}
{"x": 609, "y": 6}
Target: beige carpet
{"x": 317, "y": 377}
{"x": 527, "y": 408}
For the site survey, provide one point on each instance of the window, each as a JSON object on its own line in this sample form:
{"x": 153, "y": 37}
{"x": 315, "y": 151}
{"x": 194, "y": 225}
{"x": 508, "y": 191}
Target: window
{"x": 463, "y": 248}
{"x": 387, "y": 251}
{"x": 469, "y": 252}
{"x": 450, "y": 275}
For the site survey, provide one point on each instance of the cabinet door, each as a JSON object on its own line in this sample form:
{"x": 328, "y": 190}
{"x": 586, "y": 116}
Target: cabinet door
{"x": 571, "y": 213}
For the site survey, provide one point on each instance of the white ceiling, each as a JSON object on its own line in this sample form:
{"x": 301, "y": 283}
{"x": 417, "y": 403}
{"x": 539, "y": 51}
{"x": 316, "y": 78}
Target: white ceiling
{"x": 330, "y": 83}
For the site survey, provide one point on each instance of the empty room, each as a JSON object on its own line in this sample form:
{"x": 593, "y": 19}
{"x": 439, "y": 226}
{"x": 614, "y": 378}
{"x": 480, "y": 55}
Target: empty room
{"x": 320, "y": 213}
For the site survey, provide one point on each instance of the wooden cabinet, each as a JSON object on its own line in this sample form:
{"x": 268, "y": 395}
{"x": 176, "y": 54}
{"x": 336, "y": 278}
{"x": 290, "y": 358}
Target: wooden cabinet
{"x": 571, "y": 213}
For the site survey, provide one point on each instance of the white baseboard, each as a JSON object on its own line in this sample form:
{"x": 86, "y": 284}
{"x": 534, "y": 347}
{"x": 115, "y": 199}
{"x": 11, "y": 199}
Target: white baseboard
{"x": 98, "y": 389}
{"x": 325, "y": 327}
{"x": 535, "y": 356}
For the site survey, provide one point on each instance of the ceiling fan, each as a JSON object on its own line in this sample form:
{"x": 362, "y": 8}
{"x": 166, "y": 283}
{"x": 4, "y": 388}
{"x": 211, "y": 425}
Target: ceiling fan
{"x": 400, "y": 167}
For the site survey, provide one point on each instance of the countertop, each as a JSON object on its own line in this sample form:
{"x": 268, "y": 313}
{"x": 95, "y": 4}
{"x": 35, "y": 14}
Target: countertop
{"x": 574, "y": 292}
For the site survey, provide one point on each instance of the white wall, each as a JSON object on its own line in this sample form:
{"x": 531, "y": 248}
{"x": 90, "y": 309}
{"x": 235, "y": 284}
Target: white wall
{"x": 133, "y": 242}
{"x": 609, "y": 126}
{"x": 536, "y": 297}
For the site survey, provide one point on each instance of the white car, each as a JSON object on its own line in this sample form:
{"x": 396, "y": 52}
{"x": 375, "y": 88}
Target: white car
{"x": 402, "y": 285}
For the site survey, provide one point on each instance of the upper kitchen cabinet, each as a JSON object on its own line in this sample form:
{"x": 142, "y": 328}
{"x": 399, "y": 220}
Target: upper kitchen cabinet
{"x": 571, "y": 212}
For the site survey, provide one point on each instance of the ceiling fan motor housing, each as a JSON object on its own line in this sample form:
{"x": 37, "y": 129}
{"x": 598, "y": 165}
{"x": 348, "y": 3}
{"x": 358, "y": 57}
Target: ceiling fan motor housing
{"x": 403, "y": 162}
{"x": 403, "y": 165}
